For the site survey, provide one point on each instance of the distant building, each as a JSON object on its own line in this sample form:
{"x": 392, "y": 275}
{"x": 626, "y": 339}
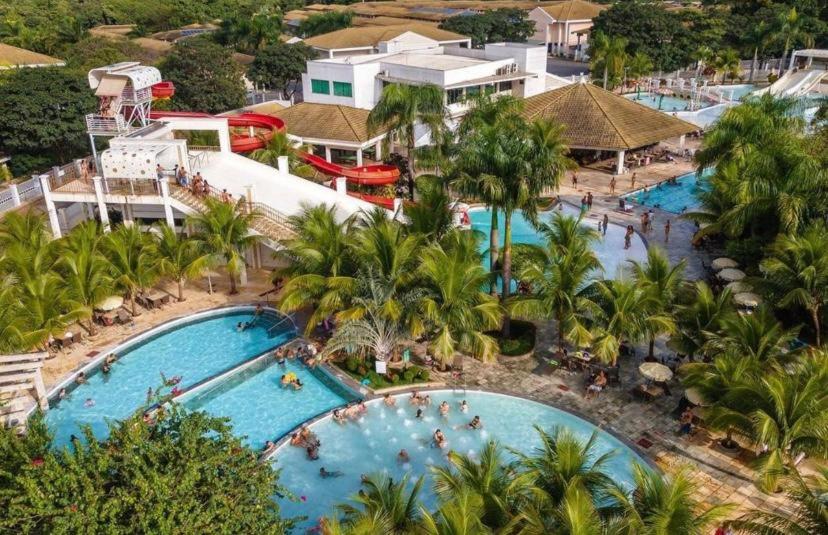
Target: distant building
{"x": 367, "y": 40}
{"x": 12, "y": 57}
{"x": 563, "y": 28}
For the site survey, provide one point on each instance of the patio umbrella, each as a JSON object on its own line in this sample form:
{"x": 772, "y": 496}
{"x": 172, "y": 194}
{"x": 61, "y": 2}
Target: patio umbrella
{"x": 739, "y": 287}
{"x": 694, "y": 397}
{"x": 723, "y": 263}
{"x": 731, "y": 274}
{"x": 655, "y": 371}
{"x": 110, "y": 303}
{"x": 747, "y": 299}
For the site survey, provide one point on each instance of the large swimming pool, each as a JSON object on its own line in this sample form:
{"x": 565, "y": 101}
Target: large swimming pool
{"x": 661, "y": 102}
{"x": 676, "y": 198}
{"x": 372, "y": 444}
{"x": 195, "y": 349}
{"x": 609, "y": 249}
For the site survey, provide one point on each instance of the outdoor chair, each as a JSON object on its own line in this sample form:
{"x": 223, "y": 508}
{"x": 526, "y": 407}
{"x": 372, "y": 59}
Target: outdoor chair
{"x": 123, "y": 316}
{"x": 76, "y": 337}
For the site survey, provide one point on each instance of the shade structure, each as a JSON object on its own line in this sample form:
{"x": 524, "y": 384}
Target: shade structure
{"x": 110, "y": 303}
{"x": 694, "y": 397}
{"x": 656, "y": 372}
{"x": 747, "y": 299}
{"x": 731, "y": 274}
{"x": 739, "y": 287}
{"x": 724, "y": 263}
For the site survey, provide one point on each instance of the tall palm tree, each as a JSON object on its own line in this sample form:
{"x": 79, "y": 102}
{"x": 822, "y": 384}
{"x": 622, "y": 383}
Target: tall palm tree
{"x": 661, "y": 282}
{"x": 279, "y": 145}
{"x": 791, "y": 28}
{"x": 727, "y": 62}
{"x": 400, "y": 108}
{"x": 459, "y": 516}
{"x": 179, "y": 257}
{"x": 455, "y": 305}
{"x": 807, "y": 495}
{"x": 223, "y": 231}
{"x": 396, "y": 502}
{"x": 702, "y": 57}
{"x": 558, "y": 275}
{"x": 639, "y": 65}
{"x": 608, "y": 52}
{"x": 797, "y": 272}
{"x": 47, "y": 308}
{"x": 85, "y": 268}
{"x": 133, "y": 261}
{"x": 699, "y": 313}
{"x": 758, "y": 37}
{"x": 665, "y": 505}
{"x": 431, "y": 216}
{"x": 758, "y": 335}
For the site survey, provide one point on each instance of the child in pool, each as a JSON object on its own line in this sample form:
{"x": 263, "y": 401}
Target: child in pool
{"x": 475, "y": 423}
{"x": 439, "y": 439}
{"x": 464, "y": 407}
{"x": 388, "y": 400}
{"x": 338, "y": 417}
{"x": 403, "y": 457}
{"x": 324, "y": 474}
{"x": 444, "y": 408}
{"x": 419, "y": 415}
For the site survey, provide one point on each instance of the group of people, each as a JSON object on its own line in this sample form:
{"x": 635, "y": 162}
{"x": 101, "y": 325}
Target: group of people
{"x": 596, "y": 382}
{"x": 352, "y": 411}
{"x": 586, "y": 202}
{"x": 307, "y": 354}
{"x": 291, "y": 380}
{"x": 305, "y": 438}
{"x": 199, "y": 187}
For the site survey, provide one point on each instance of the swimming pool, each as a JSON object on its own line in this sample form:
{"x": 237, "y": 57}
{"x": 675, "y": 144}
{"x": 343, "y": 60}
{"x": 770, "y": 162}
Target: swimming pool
{"x": 677, "y": 198}
{"x": 372, "y": 444}
{"x": 260, "y": 409}
{"x": 734, "y": 92}
{"x": 194, "y": 348}
{"x": 660, "y": 102}
{"x": 609, "y": 249}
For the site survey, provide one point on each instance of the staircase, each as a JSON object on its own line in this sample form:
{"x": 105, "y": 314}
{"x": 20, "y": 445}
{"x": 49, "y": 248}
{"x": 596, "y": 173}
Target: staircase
{"x": 267, "y": 222}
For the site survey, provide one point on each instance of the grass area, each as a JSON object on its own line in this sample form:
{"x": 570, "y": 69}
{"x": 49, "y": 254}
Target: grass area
{"x": 521, "y": 339}
{"x": 359, "y": 370}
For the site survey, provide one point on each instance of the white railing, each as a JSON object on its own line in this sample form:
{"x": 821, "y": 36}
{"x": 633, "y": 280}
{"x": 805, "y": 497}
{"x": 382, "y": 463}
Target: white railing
{"x": 17, "y": 194}
{"x": 131, "y": 96}
{"x": 99, "y": 123}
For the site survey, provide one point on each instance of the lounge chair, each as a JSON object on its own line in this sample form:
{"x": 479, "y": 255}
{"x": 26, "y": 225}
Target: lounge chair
{"x": 123, "y": 317}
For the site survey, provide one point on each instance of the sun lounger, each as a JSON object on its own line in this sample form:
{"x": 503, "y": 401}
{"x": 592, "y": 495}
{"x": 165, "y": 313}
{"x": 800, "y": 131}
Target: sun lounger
{"x": 123, "y": 317}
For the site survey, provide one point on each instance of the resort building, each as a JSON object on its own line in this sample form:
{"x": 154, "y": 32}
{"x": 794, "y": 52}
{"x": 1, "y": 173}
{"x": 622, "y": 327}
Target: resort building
{"x": 12, "y": 57}
{"x": 563, "y": 27}
{"x": 359, "y": 41}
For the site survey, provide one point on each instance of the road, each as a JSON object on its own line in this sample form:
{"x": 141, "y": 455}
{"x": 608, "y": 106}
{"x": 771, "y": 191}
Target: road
{"x": 564, "y": 67}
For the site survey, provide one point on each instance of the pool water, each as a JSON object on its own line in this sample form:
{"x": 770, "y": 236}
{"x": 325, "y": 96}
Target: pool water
{"x": 734, "y": 92}
{"x": 372, "y": 443}
{"x": 654, "y": 100}
{"x": 674, "y": 198}
{"x": 194, "y": 351}
{"x": 260, "y": 409}
{"x": 609, "y": 249}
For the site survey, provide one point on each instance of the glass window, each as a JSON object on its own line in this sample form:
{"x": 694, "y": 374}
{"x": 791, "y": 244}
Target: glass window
{"x": 453, "y": 96}
{"x": 473, "y": 90}
{"x": 323, "y": 87}
{"x": 342, "y": 89}
{"x": 506, "y": 86}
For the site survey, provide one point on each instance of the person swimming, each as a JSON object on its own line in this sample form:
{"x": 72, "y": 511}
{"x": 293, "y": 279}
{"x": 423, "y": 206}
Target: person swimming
{"x": 297, "y": 384}
{"x": 269, "y": 445}
{"x": 296, "y": 440}
{"x": 62, "y": 394}
{"x": 338, "y": 417}
{"x": 439, "y": 439}
{"x": 81, "y": 378}
{"x": 419, "y": 414}
{"x": 388, "y": 400}
{"x": 415, "y": 398}
{"x": 106, "y": 368}
{"x": 464, "y": 407}
{"x": 403, "y": 457}
{"x": 324, "y": 474}
{"x": 426, "y": 400}
{"x": 312, "y": 452}
{"x": 475, "y": 423}
{"x": 444, "y": 408}
{"x": 361, "y": 408}
{"x": 89, "y": 403}
{"x": 239, "y": 327}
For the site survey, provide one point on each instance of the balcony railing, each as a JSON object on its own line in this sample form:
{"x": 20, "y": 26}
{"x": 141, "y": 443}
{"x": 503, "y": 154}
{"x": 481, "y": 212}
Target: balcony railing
{"x": 100, "y": 124}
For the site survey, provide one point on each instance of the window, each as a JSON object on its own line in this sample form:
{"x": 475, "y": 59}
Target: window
{"x": 506, "y": 86}
{"x": 342, "y": 89}
{"x": 453, "y": 96}
{"x": 322, "y": 87}
{"x": 473, "y": 90}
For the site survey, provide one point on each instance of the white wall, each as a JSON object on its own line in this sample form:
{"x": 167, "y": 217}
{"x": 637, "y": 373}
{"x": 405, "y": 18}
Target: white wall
{"x": 407, "y": 41}
{"x": 542, "y": 21}
{"x": 360, "y": 76}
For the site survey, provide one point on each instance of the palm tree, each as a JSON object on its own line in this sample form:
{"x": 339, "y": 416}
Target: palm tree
{"x": 665, "y": 505}
{"x": 133, "y": 261}
{"x": 85, "y": 268}
{"x": 639, "y": 65}
{"x": 179, "y": 258}
{"x": 702, "y": 56}
{"x": 700, "y": 313}
{"x": 727, "y": 62}
{"x": 791, "y": 28}
{"x": 454, "y": 304}
{"x": 558, "y": 275}
{"x": 758, "y": 36}
{"x": 223, "y": 231}
{"x": 501, "y": 488}
{"x": 279, "y": 145}
{"x": 623, "y": 314}
{"x": 431, "y": 216}
{"x": 460, "y": 516}
{"x": 383, "y": 498}
{"x": 661, "y": 282}
{"x": 797, "y": 272}
{"x": 759, "y": 336}
{"x": 807, "y": 494}
{"x": 46, "y": 308}
{"x": 609, "y": 53}
{"x": 400, "y": 108}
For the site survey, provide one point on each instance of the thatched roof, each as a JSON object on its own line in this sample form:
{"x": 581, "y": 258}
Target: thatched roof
{"x": 326, "y": 121}
{"x": 597, "y": 119}
{"x": 574, "y": 10}
{"x": 11, "y": 57}
{"x": 373, "y": 35}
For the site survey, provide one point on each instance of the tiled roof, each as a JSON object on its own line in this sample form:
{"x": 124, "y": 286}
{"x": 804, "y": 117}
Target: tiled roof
{"x": 11, "y": 56}
{"x": 574, "y": 10}
{"x": 372, "y": 36}
{"x": 326, "y": 121}
{"x": 596, "y": 118}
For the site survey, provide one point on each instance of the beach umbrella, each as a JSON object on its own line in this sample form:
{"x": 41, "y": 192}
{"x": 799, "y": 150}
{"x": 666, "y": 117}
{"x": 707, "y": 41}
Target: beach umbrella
{"x": 747, "y": 299}
{"x": 694, "y": 397}
{"x": 655, "y": 371}
{"x": 739, "y": 287}
{"x": 724, "y": 263}
{"x": 731, "y": 275}
{"x": 110, "y": 303}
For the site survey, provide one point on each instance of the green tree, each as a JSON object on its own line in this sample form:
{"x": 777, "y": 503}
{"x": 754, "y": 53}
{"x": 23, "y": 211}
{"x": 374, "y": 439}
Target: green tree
{"x": 280, "y": 145}
{"x": 85, "y": 268}
{"x": 758, "y": 335}
{"x": 608, "y": 54}
{"x": 757, "y": 37}
{"x": 492, "y": 26}
{"x": 797, "y": 273}
{"x": 223, "y": 232}
{"x": 179, "y": 257}
{"x": 133, "y": 261}
{"x": 92, "y": 52}
{"x": 727, "y": 62}
{"x": 639, "y": 66}
{"x": 280, "y": 66}
{"x": 205, "y": 75}
{"x": 698, "y": 313}
{"x": 460, "y": 516}
{"x": 661, "y": 282}
{"x": 431, "y": 216}
{"x": 330, "y": 21}
{"x": 558, "y": 275}
{"x": 400, "y": 108}
{"x": 249, "y": 33}
{"x": 396, "y": 503}
{"x": 42, "y": 117}
{"x": 791, "y": 28}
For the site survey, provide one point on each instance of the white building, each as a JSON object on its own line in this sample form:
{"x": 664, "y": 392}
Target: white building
{"x": 366, "y": 40}
{"x": 563, "y": 28}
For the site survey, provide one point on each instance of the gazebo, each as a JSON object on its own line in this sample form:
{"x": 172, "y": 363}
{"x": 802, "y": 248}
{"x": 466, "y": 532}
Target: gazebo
{"x": 597, "y": 119}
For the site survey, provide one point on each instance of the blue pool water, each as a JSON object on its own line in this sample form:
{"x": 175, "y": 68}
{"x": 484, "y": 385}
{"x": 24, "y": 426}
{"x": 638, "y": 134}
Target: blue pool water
{"x": 372, "y": 443}
{"x": 660, "y": 102}
{"x": 609, "y": 249}
{"x": 738, "y": 91}
{"x": 260, "y": 409}
{"x": 195, "y": 351}
{"x": 674, "y": 198}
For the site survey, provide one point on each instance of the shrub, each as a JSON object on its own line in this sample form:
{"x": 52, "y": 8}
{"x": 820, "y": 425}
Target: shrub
{"x": 352, "y": 363}
{"x": 424, "y": 375}
{"x": 395, "y": 379}
{"x": 362, "y": 370}
{"x": 409, "y": 375}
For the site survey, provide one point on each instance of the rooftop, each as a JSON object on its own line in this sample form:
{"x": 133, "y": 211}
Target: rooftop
{"x": 11, "y": 57}
{"x": 574, "y": 10}
{"x": 371, "y": 36}
{"x": 326, "y": 121}
{"x": 437, "y": 62}
{"x": 596, "y": 118}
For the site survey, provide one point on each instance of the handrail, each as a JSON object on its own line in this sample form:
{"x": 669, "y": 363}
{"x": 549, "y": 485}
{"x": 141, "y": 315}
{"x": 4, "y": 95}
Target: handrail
{"x": 251, "y": 208}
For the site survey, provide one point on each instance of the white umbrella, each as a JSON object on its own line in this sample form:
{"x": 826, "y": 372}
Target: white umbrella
{"x": 110, "y": 303}
{"x": 655, "y": 371}
{"x": 738, "y": 287}
{"x": 694, "y": 397}
{"x": 723, "y": 263}
{"x": 747, "y": 299}
{"x": 730, "y": 274}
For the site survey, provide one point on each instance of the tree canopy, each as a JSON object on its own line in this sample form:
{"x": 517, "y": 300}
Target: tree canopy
{"x": 492, "y": 26}
{"x": 280, "y": 66}
{"x": 325, "y": 23}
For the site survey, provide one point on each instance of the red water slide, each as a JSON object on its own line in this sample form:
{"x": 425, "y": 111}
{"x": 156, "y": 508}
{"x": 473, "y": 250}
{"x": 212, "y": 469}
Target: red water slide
{"x": 366, "y": 175}
{"x": 164, "y": 89}
{"x": 265, "y": 124}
